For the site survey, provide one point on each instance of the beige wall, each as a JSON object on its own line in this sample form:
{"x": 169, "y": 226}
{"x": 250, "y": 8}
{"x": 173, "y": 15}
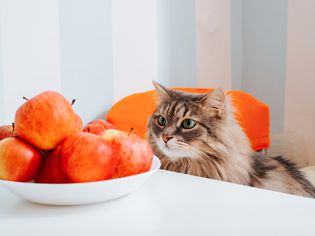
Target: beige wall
{"x": 300, "y": 80}
{"x": 213, "y": 44}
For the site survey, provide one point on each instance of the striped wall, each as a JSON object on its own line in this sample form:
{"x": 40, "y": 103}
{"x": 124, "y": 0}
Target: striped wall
{"x": 30, "y": 52}
{"x": 299, "y": 109}
{"x": 177, "y": 37}
{"x": 86, "y": 55}
{"x": 260, "y": 53}
{"x": 213, "y": 44}
{"x": 99, "y": 51}
{"x": 135, "y": 46}
{"x": 96, "y": 51}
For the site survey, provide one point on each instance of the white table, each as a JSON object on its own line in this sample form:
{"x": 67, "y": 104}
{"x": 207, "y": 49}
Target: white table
{"x": 168, "y": 204}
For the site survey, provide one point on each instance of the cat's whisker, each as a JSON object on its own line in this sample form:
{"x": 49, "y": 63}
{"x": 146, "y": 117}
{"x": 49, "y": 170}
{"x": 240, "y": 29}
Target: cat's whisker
{"x": 190, "y": 150}
{"x": 183, "y": 146}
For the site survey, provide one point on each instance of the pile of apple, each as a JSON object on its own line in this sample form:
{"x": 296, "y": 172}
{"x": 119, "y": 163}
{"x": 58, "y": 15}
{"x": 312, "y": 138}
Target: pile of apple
{"x": 48, "y": 144}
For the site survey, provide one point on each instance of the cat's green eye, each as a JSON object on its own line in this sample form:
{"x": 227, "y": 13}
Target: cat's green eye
{"x": 188, "y": 124}
{"x": 161, "y": 120}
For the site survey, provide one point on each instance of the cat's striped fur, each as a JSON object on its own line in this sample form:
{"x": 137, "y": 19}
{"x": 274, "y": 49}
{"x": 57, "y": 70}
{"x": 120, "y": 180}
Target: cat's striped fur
{"x": 216, "y": 147}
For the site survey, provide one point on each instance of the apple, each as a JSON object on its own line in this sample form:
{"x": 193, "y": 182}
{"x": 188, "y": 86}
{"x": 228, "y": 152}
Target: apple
{"x": 45, "y": 120}
{"x": 78, "y": 123}
{"x": 78, "y": 120}
{"x": 86, "y": 157}
{"x": 19, "y": 161}
{"x": 98, "y": 126}
{"x": 135, "y": 154}
{"x": 50, "y": 170}
{"x": 7, "y": 131}
{"x": 94, "y": 129}
{"x": 104, "y": 123}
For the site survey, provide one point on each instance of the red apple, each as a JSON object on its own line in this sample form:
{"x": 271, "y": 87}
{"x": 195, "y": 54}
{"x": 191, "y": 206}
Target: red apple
{"x": 50, "y": 170}
{"x": 98, "y": 126}
{"x": 45, "y": 120}
{"x": 19, "y": 161}
{"x": 79, "y": 123}
{"x": 7, "y": 131}
{"x": 104, "y": 123}
{"x": 135, "y": 154}
{"x": 87, "y": 157}
{"x": 94, "y": 129}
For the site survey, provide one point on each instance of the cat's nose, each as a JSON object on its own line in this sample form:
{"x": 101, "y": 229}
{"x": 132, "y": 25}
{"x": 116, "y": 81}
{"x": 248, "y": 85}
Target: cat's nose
{"x": 166, "y": 137}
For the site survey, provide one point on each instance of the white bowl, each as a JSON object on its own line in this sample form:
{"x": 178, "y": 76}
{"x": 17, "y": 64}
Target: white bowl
{"x": 79, "y": 193}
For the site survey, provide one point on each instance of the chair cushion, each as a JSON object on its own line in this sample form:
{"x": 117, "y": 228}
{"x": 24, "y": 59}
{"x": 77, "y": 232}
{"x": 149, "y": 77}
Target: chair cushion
{"x": 134, "y": 111}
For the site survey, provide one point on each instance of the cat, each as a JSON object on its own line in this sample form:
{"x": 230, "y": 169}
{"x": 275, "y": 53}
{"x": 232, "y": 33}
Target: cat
{"x": 197, "y": 134}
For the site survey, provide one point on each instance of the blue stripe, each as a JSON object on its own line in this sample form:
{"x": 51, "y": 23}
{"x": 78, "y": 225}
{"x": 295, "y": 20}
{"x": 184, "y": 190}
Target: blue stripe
{"x": 236, "y": 43}
{"x": 263, "y": 53}
{"x": 86, "y": 55}
{"x": 177, "y": 42}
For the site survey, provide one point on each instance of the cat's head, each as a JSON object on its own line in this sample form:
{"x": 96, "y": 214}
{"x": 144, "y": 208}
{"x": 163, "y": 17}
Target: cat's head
{"x": 184, "y": 124}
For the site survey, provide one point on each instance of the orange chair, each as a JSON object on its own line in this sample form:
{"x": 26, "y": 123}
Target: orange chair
{"x": 134, "y": 111}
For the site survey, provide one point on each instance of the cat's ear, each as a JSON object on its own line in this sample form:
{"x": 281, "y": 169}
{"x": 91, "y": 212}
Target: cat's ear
{"x": 216, "y": 100}
{"x": 162, "y": 92}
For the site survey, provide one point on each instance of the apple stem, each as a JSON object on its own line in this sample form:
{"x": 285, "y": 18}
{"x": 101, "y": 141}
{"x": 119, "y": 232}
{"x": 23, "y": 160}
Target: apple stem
{"x": 13, "y": 126}
{"x": 130, "y": 131}
{"x": 25, "y": 98}
{"x": 73, "y": 101}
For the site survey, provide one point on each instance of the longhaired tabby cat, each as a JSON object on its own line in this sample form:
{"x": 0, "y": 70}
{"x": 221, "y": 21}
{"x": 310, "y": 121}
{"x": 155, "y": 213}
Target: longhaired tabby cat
{"x": 197, "y": 134}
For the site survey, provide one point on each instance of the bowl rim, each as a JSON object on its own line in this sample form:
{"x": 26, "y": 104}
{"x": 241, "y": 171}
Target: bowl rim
{"x": 156, "y": 164}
